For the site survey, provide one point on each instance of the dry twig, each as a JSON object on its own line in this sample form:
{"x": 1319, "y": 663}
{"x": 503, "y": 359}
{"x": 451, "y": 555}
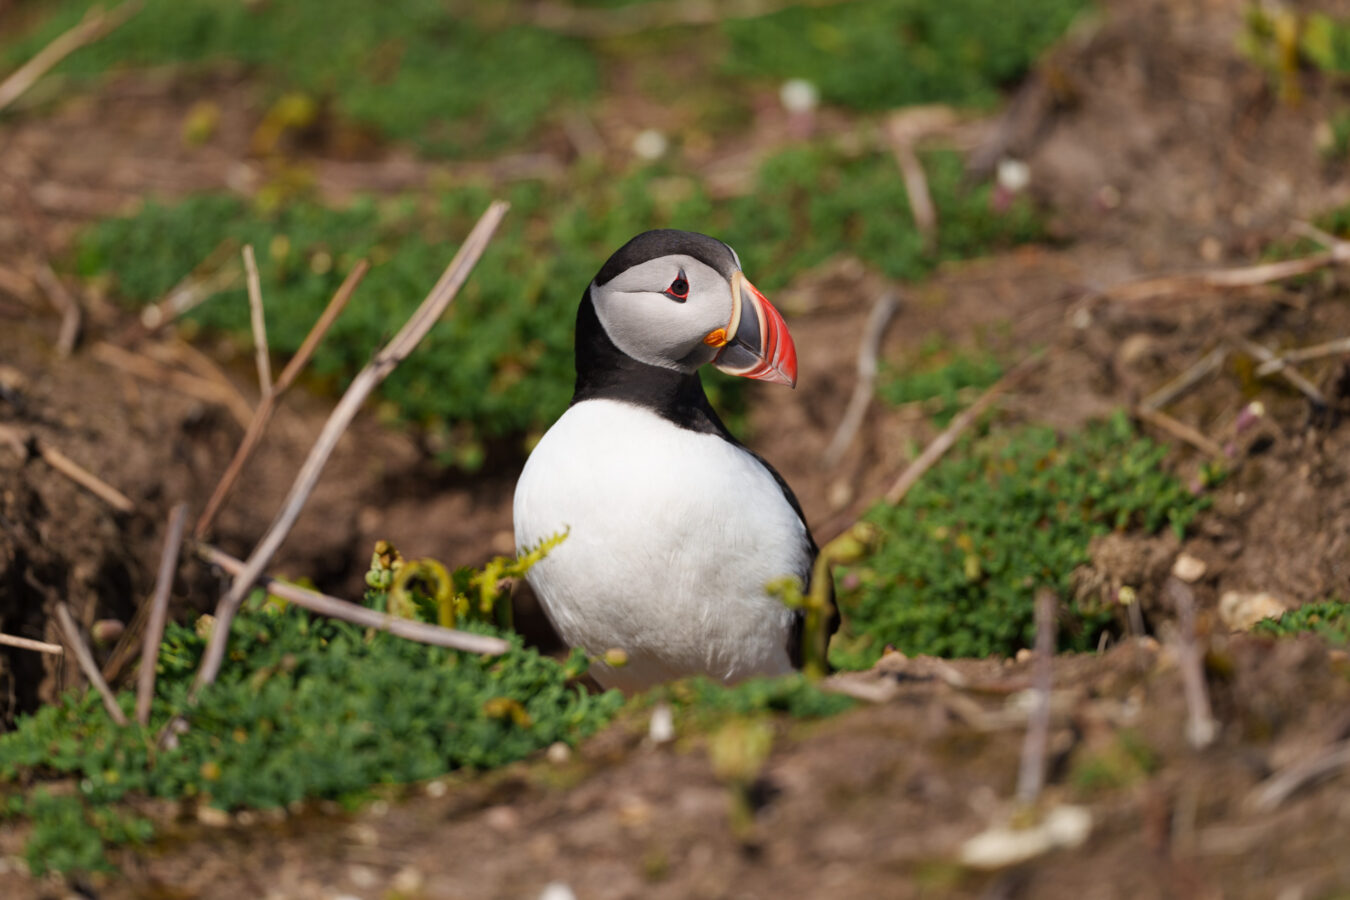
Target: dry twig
{"x": 75, "y": 642}
{"x": 159, "y": 612}
{"x": 1031, "y": 773}
{"x": 65, "y": 305}
{"x": 1179, "y": 430}
{"x": 626, "y": 20}
{"x": 267, "y": 407}
{"x": 1186, "y": 380}
{"x": 944, "y": 441}
{"x": 1316, "y": 351}
{"x": 366, "y": 380}
{"x": 347, "y": 611}
{"x": 1201, "y": 727}
{"x": 875, "y": 329}
{"x": 25, "y": 444}
{"x": 1271, "y": 793}
{"x": 23, "y": 643}
{"x": 196, "y": 386}
{"x": 255, "y": 311}
{"x": 903, "y": 131}
{"x": 92, "y": 27}
{"x": 1287, "y": 372}
{"x": 1240, "y": 277}
{"x": 216, "y": 273}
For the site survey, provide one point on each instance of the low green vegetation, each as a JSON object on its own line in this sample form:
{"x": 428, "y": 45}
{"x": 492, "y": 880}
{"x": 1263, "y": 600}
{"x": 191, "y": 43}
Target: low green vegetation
{"x": 957, "y": 565}
{"x": 1329, "y": 619}
{"x": 406, "y": 69}
{"x": 473, "y": 79}
{"x": 704, "y": 703}
{"x": 501, "y": 362}
{"x": 308, "y": 708}
{"x": 890, "y": 53}
{"x": 305, "y": 707}
{"x": 1124, "y": 761}
{"x": 940, "y": 382}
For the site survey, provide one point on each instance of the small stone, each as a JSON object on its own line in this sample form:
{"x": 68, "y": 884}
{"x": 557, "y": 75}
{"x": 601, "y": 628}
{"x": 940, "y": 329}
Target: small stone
{"x": 1188, "y": 568}
{"x": 437, "y": 788}
{"x": 1240, "y": 611}
{"x": 840, "y": 494}
{"x": 661, "y": 730}
{"x": 634, "y": 812}
{"x": 1024, "y": 654}
{"x": 1136, "y": 347}
{"x": 364, "y": 834}
{"x": 379, "y": 808}
{"x": 105, "y": 631}
{"x": 363, "y": 877}
{"x": 1002, "y": 846}
{"x": 408, "y": 880}
{"x": 502, "y": 818}
{"x": 557, "y": 890}
{"x": 11, "y": 379}
{"x": 558, "y": 753}
{"x": 212, "y": 817}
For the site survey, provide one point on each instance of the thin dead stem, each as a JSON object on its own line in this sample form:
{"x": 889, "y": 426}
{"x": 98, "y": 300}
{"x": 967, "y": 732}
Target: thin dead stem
{"x": 1287, "y": 372}
{"x": 1179, "y": 430}
{"x": 868, "y": 351}
{"x": 628, "y": 20}
{"x": 76, "y": 644}
{"x": 1240, "y": 277}
{"x": 1178, "y": 386}
{"x": 1031, "y": 773}
{"x": 184, "y": 382}
{"x": 217, "y": 272}
{"x": 259, "y": 324}
{"x": 24, "y": 444}
{"x": 64, "y": 303}
{"x": 257, "y": 426}
{"x": 1201, "y": 727}
{"x": 1304, "y": 354}
{"x": 159, "y": 613}
{"x": 366, "y": 380}
{"x": 337, "y": 608}
{"x": 23, "y": 643}
{"x": 947, "y": 439}
{"x": 92, "y": 27}
{"x": 1267, "y": 796}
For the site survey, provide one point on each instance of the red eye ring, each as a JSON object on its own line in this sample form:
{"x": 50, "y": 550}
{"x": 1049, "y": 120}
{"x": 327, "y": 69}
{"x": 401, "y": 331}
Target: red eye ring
{"x": 679, "y": 288}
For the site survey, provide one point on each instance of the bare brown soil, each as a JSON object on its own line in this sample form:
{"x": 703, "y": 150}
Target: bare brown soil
{"x": 1159, "y": 149}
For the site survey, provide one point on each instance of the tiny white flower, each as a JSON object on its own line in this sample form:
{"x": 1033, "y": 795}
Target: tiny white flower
{"x": 650, "y": 144}
{"x": 799, "y": 95}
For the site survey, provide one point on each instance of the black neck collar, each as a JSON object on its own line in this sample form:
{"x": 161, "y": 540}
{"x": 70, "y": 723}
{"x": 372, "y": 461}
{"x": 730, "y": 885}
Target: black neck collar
{"x": 604, "y": 372}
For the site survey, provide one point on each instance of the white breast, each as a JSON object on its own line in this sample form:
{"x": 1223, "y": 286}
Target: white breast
{"x": 672, "y": 537}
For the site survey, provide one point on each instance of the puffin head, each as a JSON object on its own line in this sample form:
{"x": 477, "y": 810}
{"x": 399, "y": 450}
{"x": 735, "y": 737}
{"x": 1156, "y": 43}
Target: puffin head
{"x": 678, "y": 300}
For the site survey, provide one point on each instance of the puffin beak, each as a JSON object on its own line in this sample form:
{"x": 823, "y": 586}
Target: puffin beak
{"x": 755, "y": 343}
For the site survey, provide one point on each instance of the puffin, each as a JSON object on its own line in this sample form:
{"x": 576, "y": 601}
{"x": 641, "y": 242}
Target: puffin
{"x": 673, "y": 529}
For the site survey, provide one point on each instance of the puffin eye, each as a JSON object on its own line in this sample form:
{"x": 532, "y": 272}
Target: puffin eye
{"x": 679, "y": 288}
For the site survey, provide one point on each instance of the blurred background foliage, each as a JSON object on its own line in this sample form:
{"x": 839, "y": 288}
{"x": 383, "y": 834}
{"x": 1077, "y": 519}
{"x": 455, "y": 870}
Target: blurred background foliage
{"x": 476, "y": 81}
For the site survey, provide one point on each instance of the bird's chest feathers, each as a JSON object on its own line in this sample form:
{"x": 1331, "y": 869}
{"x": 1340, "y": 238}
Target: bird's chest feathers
{"x": 666, "y": 526}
